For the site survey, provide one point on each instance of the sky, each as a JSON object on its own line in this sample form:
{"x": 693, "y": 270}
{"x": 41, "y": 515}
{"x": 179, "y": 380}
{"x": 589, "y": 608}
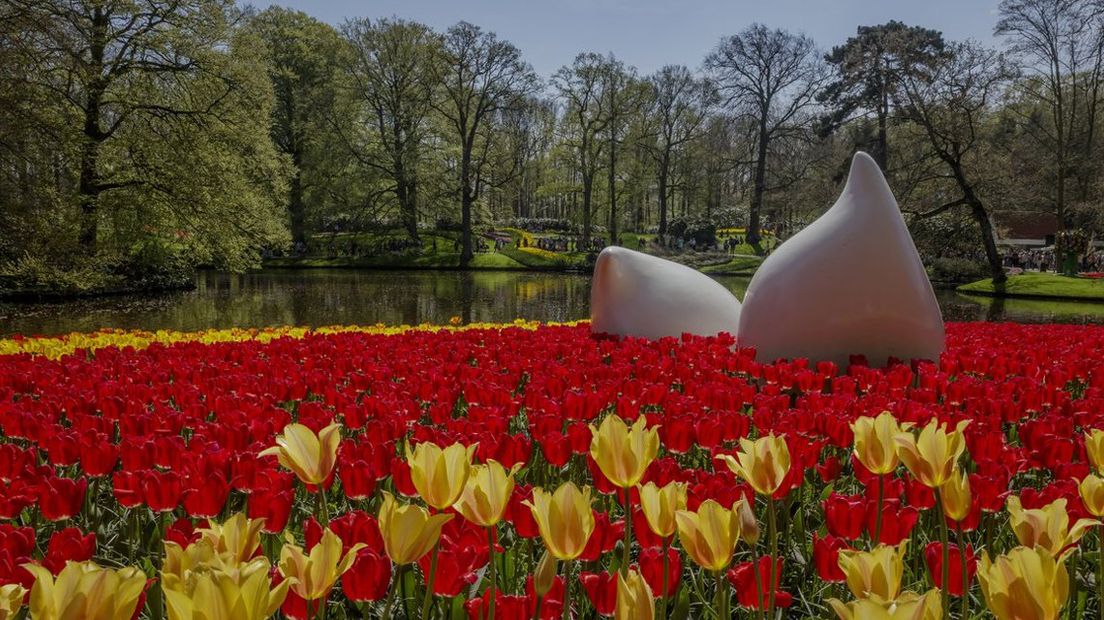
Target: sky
{"x": 651, "y": 33}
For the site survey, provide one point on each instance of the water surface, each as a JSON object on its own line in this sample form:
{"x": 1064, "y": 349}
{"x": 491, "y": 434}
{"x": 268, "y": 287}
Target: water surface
{"x": 337, "y": 296}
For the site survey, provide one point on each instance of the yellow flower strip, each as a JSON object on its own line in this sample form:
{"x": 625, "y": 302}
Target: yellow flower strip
{"x": 53, "y": 347}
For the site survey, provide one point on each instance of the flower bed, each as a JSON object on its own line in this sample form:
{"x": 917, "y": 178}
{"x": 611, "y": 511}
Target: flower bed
{"x": 117, "y": 457}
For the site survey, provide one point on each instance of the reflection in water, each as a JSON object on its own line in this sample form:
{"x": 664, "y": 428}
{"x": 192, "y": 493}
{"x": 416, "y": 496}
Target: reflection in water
{"x": 329, "y": 297}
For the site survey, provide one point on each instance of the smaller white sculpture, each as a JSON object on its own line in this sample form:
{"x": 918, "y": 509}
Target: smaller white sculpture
{"x": 849, "y": 283}
{"x": 635, "y": 294}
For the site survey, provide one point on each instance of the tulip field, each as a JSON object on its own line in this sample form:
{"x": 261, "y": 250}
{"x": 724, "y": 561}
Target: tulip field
{"x": 537, "y": 471}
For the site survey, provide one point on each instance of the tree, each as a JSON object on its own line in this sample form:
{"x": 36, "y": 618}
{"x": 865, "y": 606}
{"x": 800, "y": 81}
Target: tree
{"x": 161, "y": 100}
{"x": 304, "y": 54}
{"x": 1061, "y": 44}
{"x": 680, "y": 105}
{"x": 951, "y": 102}
{"x": 869, "y": 68}
{"x": 772, "y": 76}
{"x": 481, "y": 75}
{"x": 393, "y": 76}
{"x": 581, "y": 86}
{"x": 622, "y": 98}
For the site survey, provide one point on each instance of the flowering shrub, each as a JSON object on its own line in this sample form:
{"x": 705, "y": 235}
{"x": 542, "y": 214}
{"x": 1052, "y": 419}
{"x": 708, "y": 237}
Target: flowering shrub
{"x": 524, "y": 471}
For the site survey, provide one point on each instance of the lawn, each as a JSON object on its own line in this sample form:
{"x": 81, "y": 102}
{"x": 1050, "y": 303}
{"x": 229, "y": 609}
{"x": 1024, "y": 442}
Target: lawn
{"x": 1040, "y": 285}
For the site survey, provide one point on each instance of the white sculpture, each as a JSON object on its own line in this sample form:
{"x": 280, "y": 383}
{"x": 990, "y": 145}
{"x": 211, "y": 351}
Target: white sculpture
{"x": 849, "y": 283}
{"x": 635, "y": 294}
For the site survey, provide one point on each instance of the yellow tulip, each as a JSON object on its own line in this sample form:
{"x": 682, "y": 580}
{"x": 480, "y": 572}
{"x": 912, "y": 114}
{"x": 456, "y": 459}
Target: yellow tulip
{"x": 874, "y": 573}
{"x": 544, "y": 577}
{"x": 623, "y": 452}
{"x": 634, "y": 598}
{"x": 1046, "y": 527}
{"x": 932, "y": 457}
{"x": 660, "y": 505}
{"x": 875, "y": 447}
{"x": 749, "y": 525}
{"x": 956, "y": 497}
{"x": 1094, "y": 448}
{"x": 762, "y": 463}
{"x": 1092, "y": 494}
{"x": 439, "y": 475}
{"x": 315, "y": 573}
{"x": 310, "y": 457}
{"x": 409, "y": 532}
{"x": 237, "y": 539}
{"x": 86, "y": 591}
{"x": 486, "y": 493}
{"x": 1024, "y": 584}
{"x": 908, "y": 606}
{"x": 565, "y": 519}
{"x": 242, "y": 593}
{"x": 710, "y": 534}
{"x": 11, "y": 600}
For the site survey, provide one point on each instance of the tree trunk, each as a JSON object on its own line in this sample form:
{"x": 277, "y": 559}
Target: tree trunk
{"x": 588, "y": 193}
{"x": 882, "y": 154}
{"x": 296, "y": 210}
{"x": 612, "y": 180}
{"x": 664, "y": 167}
{"x": 466, "y": 200}
{"x": 996, "y": 266}
{"x": 753, "y": 231}
{"x": 93, "y": 134}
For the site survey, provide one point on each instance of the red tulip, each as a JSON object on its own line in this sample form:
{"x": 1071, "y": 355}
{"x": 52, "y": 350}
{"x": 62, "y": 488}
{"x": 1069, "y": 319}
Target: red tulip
{"x": 368, "y": 578}
{"x": 845, "y": 515}
{"x": 68, "y": 545}
{"x": 601, "y": 589}
{"x": 742, "y": 577}
{"x": 933, "y": 557}
{"x": 826, "y": 558}
{"x": 651, "y": 568}
{"x": 61, "y": 498}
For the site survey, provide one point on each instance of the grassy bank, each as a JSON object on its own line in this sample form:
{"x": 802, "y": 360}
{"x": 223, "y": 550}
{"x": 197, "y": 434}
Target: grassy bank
{"x": 438, "y": 250}
{"x": 1041, "y": 285}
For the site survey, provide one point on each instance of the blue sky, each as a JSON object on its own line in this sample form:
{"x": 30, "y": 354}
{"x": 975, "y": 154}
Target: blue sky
{"x": 652, "y": 33}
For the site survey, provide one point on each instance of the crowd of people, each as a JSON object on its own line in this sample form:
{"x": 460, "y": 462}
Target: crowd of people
{"x": 1046, "y": 259}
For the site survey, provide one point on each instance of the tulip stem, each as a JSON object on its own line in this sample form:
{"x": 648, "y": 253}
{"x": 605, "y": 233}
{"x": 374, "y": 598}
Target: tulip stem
{"x": 772, "y": 523}
{"x": 628, "y": 532}
{"x": 567, "y": 591}
{"x": 1100, "y": 572}
{"x": 430, "y": 580}
{"x": 759, "y": 611}
{"x": 878, "y": 517}
{"x": 666, "y": 570}
{"x": 722, "y": 597}
{"x": 391, "y": 593}
{"x": 324, "y": 508}
{"x": 944, "y": 537}
{"x": 494, "y": 572}
{"x": 965, "y": 574}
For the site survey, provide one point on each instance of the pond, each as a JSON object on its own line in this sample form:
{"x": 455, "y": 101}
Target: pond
{"x": 335, "y": 296}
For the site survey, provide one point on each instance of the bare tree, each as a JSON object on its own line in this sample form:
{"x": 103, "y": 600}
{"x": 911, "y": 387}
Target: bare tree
{"x": 581, "y": 86}
{"x": 772, "y": 76}
{"x": 951, "y": 102}
{"x": 481, "y": 76}
{"x": 1060, "y": 44}
{"x": 622, "y": 97}
{"x": 680, "y": 104}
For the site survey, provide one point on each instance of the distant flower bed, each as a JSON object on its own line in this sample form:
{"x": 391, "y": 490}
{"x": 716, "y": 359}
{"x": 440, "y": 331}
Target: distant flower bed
{"x": 519, "y": 469}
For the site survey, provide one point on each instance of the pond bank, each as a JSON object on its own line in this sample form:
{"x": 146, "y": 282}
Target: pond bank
{"x": 1041, "y": 286}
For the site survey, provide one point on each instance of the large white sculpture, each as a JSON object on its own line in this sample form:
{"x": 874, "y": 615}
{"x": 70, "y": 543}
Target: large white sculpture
{"x": 849, "y": 283}
{"x": 635, "y": 294}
